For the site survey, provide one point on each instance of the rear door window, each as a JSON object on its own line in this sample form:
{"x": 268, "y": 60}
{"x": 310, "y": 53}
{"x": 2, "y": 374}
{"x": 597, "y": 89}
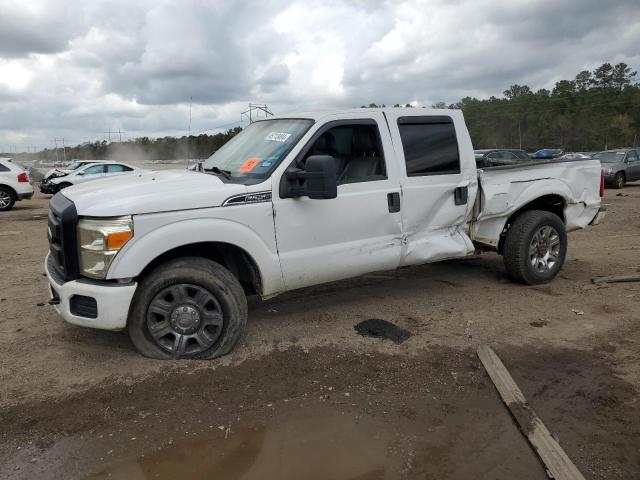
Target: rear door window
{"x": 430, "y": 145}
{"x": 117, "y": 168}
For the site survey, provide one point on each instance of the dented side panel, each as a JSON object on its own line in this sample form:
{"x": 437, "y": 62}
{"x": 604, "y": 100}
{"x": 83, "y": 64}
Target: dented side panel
{"x": 435, "y": 228}
{"x": 506, "y": 190}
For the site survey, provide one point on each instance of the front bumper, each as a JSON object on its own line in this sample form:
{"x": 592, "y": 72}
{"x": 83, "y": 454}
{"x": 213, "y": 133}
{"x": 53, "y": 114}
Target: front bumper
{"x": 112, "y": 300}
{"x": 48, "y": 188}
{"x": 610, "y": 179}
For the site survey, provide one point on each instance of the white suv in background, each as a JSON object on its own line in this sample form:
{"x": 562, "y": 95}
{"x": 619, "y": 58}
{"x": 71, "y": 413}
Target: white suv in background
{"x": 91, "y": 171}
{"x": 14, "y": 184}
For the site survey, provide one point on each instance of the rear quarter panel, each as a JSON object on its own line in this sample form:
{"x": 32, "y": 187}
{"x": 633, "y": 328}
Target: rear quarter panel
{"x": 505, "y": 190}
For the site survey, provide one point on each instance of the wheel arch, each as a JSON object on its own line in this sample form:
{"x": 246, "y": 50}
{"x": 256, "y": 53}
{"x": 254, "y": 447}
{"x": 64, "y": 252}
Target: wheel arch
{"x": 552, "y": 202}
{"x": 235, "y": 259}
{"x": 11, "y": 190}
{"x": 240, "y": 249}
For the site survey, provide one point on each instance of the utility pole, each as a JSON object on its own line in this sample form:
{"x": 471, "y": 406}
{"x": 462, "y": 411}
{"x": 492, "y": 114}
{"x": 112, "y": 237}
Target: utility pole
{"x": 64, "y": 151}
{"x": 56, "y": 142}
{"x": 189, "y": 136}
{"x": 520, "y": 134}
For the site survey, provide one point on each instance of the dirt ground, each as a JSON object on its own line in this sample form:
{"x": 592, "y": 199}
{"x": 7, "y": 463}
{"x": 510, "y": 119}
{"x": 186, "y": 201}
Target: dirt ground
{"x": 306, "y": 396}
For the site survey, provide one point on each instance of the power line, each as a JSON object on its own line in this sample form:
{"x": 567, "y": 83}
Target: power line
{"x": 257, "y": 107}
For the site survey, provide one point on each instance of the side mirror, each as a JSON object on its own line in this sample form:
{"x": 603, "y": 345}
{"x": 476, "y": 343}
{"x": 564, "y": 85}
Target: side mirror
{"x": 80, "y": 173}
{"x": 319, "y": 176}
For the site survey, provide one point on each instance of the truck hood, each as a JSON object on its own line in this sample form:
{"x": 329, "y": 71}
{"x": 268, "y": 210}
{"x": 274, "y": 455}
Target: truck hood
{"x": 149, "y": 193}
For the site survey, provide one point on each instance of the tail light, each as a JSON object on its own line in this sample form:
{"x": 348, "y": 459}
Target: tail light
{"x": 23, "y": 178}
{"x": 601, "y": 183}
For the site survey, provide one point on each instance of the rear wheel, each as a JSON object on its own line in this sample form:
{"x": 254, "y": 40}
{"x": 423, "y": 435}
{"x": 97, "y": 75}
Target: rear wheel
{"x": 619, "y": 180}
{"x": 189, "y": 307}
{"x": 535, "y": 247}
{"x": 7, "y": 199}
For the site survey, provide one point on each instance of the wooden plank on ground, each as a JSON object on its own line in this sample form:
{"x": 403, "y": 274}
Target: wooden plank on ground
{"x": 616, "y": 279}
{"x": 558, "y": 464}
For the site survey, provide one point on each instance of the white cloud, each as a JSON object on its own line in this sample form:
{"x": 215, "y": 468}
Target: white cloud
{"x": 75, "y": 69}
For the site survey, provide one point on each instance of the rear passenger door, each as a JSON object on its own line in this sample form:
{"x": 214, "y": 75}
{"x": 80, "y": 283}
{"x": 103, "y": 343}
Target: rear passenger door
{"x": 114, "y": 169}
{"x": 438, "y": 190}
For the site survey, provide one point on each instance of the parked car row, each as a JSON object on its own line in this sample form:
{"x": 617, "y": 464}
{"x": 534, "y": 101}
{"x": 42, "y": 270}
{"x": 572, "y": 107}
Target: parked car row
{"x": 81, "y": 172}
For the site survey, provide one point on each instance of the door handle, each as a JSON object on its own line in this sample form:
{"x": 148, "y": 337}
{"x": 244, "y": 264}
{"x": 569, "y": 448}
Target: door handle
{"x": 461, "y": 195}
{"x": 393, "y": 200}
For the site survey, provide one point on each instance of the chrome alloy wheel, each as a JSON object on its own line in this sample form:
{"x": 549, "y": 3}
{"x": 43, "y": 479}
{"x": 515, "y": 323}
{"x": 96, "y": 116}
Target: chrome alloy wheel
{"x": 5, "y": 199}
{"x": 184, "y": 319}
{"x": 544, "y": 249}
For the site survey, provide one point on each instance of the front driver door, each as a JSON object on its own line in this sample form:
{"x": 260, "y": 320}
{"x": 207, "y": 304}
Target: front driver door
{"x": 90, "y": 173}
{"x": 360, "y": 230}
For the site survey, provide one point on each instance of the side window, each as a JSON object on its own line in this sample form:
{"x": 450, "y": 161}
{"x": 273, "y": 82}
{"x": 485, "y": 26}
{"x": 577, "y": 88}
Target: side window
{"x": 117, "y": 168}
{"x": 95, "y": 169}
{"x": 4, "y": 168}
{"x": 633, "y": 156}
{"x": 430, "y": 145}
{"x": 357, "y": 151}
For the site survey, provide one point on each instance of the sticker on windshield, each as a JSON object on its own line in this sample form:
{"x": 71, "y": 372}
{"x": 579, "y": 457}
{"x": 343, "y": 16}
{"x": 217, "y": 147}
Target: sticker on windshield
{"x": 249, "y": 164}
{"x": 278, "y": 136}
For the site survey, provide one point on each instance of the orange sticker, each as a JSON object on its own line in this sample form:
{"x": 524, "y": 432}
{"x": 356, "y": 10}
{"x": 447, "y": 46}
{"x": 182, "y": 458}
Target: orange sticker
{"x": 249, "y": 164}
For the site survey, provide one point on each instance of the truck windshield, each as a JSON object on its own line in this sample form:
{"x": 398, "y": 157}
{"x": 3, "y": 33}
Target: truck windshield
{"x": 250, "y": 156}
{"x": 610, "y": 157}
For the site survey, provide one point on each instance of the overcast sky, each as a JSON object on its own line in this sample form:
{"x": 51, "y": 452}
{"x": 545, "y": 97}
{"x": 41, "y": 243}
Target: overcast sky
{"x": 74, "y": 69}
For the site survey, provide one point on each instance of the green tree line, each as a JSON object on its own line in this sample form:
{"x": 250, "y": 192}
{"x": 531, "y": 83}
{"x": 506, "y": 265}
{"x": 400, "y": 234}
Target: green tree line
{"x": 596, "y": 110}
{"x": 141, "y": 148}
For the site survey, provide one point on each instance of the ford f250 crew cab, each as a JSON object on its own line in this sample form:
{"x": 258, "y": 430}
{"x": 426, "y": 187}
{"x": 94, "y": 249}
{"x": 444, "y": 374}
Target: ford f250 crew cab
{"x": 294, "y": 201}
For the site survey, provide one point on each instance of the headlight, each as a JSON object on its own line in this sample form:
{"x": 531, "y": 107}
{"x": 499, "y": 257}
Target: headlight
{"x": 608, "y": 170}
{"x": 100, "y": 240}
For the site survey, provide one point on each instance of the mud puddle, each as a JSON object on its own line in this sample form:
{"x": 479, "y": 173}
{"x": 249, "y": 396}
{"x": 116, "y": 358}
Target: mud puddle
{"x": 309, "y": 444}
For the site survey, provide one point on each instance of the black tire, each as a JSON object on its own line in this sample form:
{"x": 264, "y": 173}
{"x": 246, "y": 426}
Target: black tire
{"x": 62, "y": 186}
{"x": 203, "y": 276}
{"x": 7, "y": 199}
{"x": 520, "y": 253}
{"x": 619, "y": 180}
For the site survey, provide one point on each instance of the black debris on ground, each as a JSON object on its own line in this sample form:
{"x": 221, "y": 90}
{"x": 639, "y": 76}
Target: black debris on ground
{"x": 377, "y": 328}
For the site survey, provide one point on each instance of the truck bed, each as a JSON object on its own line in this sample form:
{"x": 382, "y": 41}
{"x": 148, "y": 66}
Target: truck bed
{"x": 573, "y": 184}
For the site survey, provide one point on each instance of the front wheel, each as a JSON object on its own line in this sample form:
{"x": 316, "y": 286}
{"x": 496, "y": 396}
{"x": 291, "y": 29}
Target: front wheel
{"x": 189, "y": 307}
{"x": 535, "y": 247}
{"x": 619, "y": 180}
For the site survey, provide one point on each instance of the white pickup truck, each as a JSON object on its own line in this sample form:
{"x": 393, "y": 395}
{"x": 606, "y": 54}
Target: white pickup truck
{"x": 299, "y": 200}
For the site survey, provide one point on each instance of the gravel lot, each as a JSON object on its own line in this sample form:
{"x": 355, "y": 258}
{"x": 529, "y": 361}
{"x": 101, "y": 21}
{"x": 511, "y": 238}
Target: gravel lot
{"x": 305, "y": 396}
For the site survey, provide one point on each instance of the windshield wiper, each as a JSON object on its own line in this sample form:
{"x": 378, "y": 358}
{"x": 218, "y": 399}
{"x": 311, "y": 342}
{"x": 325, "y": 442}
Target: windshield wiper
{"x": 225, "y": 173}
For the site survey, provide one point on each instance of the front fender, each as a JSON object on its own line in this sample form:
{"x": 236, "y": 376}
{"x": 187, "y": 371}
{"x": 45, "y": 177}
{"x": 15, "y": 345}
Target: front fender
{"x": 151, "y": 241}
